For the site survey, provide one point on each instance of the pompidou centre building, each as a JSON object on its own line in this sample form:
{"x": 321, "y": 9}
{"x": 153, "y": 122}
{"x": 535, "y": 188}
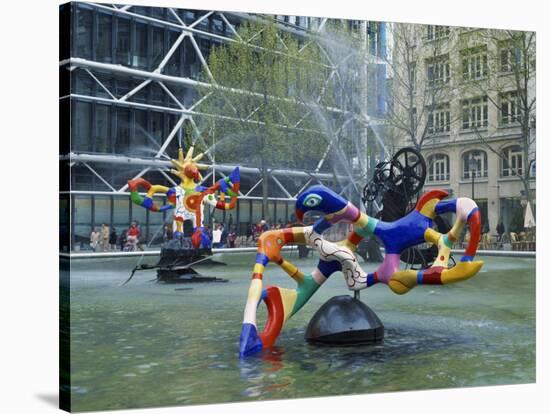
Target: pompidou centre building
{"x": 129, "y": 79}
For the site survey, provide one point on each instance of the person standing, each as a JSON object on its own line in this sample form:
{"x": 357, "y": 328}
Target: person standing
{"x": 113, "y": 238}
{"x": 139, "y": 244}
{"x": 132, "y": 235}
{"x": 500, "y": 230}
{"x": 223, "y": 239}
{"x": 105, "y": 233}
{"x": 216, "y": 237}
{"x": 123, "y": 238}
{"x": 167, "y": 233}
{"x": 257, "y": 231}
{"x": 232, "y": 237}
{"x": 94, "y": 239}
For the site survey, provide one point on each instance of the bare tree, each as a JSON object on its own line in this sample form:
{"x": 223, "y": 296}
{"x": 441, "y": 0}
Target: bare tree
{"x": 505, "y": 74}
{"x": 420, "y": 88}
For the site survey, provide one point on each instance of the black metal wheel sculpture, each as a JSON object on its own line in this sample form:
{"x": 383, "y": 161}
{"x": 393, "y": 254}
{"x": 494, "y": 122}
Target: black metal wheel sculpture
{"x": 409, "y": 172}
{"x": 403, "y": 177}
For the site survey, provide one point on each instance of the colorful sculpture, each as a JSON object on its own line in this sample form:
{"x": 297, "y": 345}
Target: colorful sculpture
{"x": 189, "y": 197}
{"x": 412, "y": 229}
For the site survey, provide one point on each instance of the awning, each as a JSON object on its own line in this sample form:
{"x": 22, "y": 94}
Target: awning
{"x": 529, "y": 217}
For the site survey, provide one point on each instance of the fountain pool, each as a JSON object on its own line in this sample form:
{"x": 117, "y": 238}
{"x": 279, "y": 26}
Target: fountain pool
{"x": 146, "y": 344}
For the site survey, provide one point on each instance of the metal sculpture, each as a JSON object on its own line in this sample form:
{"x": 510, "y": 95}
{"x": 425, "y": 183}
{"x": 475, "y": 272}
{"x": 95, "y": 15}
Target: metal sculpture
{"x": 396, "y": 183}
{"x": 412, "y": 229}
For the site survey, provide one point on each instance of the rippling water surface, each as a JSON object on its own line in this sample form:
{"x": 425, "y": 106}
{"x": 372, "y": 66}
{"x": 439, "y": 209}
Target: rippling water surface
{"x": 148, "y": 344}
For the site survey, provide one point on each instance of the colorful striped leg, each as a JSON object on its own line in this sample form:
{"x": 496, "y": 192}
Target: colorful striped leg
{"x": 179, "y": 227}
{"x": 278, "y": 301}
{"x": 439, "y": 273}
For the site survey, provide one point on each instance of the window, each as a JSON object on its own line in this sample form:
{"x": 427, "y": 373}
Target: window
{"x": 156, "y": 126}
{"x": 121, "y": 213}
{"x": 157, "y": 49}
{"x": 438, "y": 167}
{"x": 82, "y": 83}
{"x": 82, "y": 219}
{"x": 354, "y": 25}
{"x": 102, "y": 210}
{"x": 122, "y": 137}
{"x": 142, "y": 143}
{"x": 510, "y": 57}
{"x": 202, "y": 24}
{"x": 512, "y": 161}
{"x": 372, "y": 32}
{"x": 439, "y": 70}
{"x": 123, "y": 42}
{"x": 104, "y": 37}
{"x": 81, "y": 126}
{"x": 122, "y": 87}
{"x": 107, "y": 81}
{"x": 437, "y": 32}
{"x": 474, "y": 113}
{"x": 84, "y": 23}
{"x": 509, "y": 108}
{"x": 219, "y": 26}
{"x": 102, "y": 128}
{"x": 188, "y": 16}
{"x": 189, "y": 55}
{"x": 479, "y": 168}
{"x": 439, "y": 120}
{"x": 140, "y": 49}
{"x": 174, "y": 65}
{"x": 474, "y": 63}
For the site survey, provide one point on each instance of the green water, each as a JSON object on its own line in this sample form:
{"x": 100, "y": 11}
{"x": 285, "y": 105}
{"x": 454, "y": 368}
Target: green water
{"x": 147, "y": 344}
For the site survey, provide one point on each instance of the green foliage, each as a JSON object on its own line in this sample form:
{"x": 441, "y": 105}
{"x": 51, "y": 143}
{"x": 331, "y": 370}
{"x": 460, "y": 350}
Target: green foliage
{"x": 266, "y": 83}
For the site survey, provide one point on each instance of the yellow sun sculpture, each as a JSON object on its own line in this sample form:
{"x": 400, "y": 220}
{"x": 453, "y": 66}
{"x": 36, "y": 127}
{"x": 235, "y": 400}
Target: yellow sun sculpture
{"x": 189, "y": 196}
{"x": 187, "y": 168}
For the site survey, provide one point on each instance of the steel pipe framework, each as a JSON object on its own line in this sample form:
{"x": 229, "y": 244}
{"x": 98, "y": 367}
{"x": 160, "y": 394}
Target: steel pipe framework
{"x": 190, "y": 30}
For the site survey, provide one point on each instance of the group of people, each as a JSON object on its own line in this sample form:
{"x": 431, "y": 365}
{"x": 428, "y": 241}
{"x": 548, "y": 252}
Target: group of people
{"x": 255, "y": 230}
{"x": 103, "y": 240}
{"x": 106, "y": 238}
{"x": 220, "y": 236}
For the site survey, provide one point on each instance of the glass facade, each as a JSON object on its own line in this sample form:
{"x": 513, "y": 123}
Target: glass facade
{"x": 114, "y": 113}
